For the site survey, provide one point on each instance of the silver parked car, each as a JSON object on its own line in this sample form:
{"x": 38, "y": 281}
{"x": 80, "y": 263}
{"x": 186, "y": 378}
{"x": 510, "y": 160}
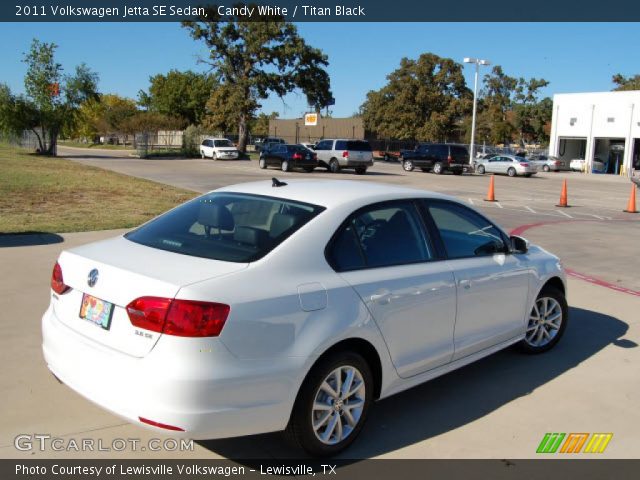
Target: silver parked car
{"x": 549, "y": 163}
{"x": 511, "y": 165}
{"x": 341, "y": 153}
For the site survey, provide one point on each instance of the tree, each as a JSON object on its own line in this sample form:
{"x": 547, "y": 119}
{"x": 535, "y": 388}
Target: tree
{"x": 626, "y": 83}
{"x": 509, "y": 106}
{"x": 424, "y": 99}
{"x": 104, "y": 115}
{"x": 151, "y": 122}
{"x": 252, "y": 58}
{"x": 182, "y": 94}
{"x": 260, "y": 126}
{"x": 52, "y": 99}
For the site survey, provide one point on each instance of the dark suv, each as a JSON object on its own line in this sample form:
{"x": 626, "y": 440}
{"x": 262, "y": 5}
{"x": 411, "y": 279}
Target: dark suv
{"x": 437, "y": 157}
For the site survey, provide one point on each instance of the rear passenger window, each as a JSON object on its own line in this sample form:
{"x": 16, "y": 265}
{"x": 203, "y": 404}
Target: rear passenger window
{"x": 464, "y": 232}
{"x": 341, "y": 145}
{"x": 382, "y": 236}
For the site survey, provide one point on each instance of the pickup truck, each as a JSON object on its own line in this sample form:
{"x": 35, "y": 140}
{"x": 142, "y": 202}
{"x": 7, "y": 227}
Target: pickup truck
{"x": 437, "y": 157}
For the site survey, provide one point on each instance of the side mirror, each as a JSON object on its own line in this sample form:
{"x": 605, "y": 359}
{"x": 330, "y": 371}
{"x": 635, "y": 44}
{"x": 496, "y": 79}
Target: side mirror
{"x": 519, "y": 244}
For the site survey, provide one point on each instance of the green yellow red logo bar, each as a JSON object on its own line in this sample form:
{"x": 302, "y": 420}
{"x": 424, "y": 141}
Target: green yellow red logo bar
{"x": 574, "y": 442}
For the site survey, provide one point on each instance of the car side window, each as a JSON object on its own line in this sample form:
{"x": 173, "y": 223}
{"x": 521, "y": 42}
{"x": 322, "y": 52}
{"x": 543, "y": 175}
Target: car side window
{"x": 341, "y": 145}
{"x": 464, "y": 232}
{"x": 322, "y": 145}
{"x": 381, "y": 236}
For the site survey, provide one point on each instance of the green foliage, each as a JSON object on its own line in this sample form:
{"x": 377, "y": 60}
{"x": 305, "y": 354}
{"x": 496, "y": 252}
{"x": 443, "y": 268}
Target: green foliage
{"x": 182, "y": 94}
{"x": 191, "y": 140}
{"x": 104, "y": 115}
{"x": 52, "y": 100}
{"x": 510, "y": 108}
{"x": 424, "y": 99}
{"x": 260, "y": 126}
{"x": 252, "y": 59}
{"x": 150, "y": 122}
{"x": 626, "y": 83}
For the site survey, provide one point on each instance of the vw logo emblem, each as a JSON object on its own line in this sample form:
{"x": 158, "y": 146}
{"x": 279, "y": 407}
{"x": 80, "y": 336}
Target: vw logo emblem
{"x": 92, "y": 279}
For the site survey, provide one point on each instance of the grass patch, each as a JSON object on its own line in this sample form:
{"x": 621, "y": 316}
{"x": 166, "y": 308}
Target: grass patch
{"x": 42, "y": 194}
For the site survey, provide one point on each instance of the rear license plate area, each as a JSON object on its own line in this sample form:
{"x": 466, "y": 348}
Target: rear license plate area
{"x": 96, "y": 311}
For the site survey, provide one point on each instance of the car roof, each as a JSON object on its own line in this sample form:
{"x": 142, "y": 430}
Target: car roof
{"x": 217, "y": 138}
{"x": 332, "y": 193}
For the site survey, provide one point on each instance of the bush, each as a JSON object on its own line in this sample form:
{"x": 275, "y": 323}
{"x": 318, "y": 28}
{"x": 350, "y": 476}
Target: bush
{"x": 191, "y": 140}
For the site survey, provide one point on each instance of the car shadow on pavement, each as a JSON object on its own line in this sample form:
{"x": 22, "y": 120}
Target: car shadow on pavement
{"x": 29, "y": 239}
{"x": 455, "y": 399}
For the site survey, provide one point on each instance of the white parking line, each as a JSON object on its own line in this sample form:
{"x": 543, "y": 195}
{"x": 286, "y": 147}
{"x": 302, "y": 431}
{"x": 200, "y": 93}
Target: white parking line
{"x": 471, "y": 201}
{"x": 565, "y": 214}
{"x": 498, "y": 204}
{"x": 530, "y": 209}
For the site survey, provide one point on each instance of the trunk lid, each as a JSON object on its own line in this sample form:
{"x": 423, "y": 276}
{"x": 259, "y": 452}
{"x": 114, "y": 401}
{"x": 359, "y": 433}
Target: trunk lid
{"x": 126, "y": 271}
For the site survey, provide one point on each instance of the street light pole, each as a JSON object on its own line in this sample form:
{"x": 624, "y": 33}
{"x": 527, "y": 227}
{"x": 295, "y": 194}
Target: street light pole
{"x": 477, "y": 62}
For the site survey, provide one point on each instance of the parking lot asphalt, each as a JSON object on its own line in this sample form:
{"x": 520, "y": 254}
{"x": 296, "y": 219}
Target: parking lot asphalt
{"x": 500, "y": 407}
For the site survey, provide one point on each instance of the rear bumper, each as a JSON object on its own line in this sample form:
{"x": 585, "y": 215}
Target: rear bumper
{"x": 197, "y": 385}
{"x": 355, "y": 163}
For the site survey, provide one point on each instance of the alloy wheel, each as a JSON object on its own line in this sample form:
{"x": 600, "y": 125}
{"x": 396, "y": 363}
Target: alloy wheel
{"x": 545, "y": 321}
{"x": 338, "y": 405}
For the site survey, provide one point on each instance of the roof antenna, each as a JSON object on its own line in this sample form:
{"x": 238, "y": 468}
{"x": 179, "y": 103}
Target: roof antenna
{"x": 277, "y": 183}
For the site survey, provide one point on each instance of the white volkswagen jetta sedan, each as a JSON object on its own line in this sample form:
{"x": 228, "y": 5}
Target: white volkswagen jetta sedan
{"x": 263, "y": 307}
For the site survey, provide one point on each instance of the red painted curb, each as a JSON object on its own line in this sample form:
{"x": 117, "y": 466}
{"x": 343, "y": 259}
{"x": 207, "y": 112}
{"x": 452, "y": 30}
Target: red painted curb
{"x": 587, "y": 278}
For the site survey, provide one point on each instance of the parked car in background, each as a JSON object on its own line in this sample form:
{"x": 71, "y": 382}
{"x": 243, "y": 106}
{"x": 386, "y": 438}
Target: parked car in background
{"x": 287, "y": 157}
{"x": 506, "y": 164}
{"x": 549, "y": 163}
{"x": 336, "y": 154}
{"x": 436, "y": 157}
{"x": 266, "y": 306}
{"x": 219, "y": 149}
{"x": 580, "y": 164}
{"x": 310, "y": 146}
{"x": 261, "y": 142}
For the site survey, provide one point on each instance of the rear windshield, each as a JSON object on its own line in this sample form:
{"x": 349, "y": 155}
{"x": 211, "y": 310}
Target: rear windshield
{"x": 226, "y": 226}
{"x": 459, "y": 151}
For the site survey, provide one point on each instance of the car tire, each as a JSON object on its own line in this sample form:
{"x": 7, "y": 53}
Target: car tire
{"x": 286, "y": 166}
{"x": 407, "y": 165}
{"x": 438, "y": 168}
{"x": 528, "y": 175}
{"x": 262, "y": 163}
{"x": 480, "y": 169}
{"x": 214, "y": 156}
{"x": 549, "y": 303}
{"x": 361, "y": 170}
{"x": 546, "y": 168}
{"x": 339, "y": 428}
{"x": 511, "y": 172}
{"x": 201, "y": 154}
{"x": 334, "y": 166}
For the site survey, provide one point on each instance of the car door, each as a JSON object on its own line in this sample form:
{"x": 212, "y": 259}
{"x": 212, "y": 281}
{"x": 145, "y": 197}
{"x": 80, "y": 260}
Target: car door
{"x": 322, "y": 150}
{"x": 497, "y": 164}
{"x": 277, "y": 154}
{"x": 422, "y": 157}
{"x": 492, "y": 283}
{"x": 205, "y": 148}
{"x": 383, "y": 252}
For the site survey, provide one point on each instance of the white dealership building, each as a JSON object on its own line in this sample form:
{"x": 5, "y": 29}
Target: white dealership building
{"x": 601, "y": 127}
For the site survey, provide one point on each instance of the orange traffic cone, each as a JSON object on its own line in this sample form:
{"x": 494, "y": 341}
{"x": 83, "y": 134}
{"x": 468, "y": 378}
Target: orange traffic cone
{"x": 563, "y": 195}
{"x": 491, "y": 194}
{"x": 631, "y": 205}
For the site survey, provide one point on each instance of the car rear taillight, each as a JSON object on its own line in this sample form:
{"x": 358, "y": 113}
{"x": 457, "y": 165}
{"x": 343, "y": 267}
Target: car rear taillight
{"x": 557, "y": 163}
{"x": 345, "y": 154}
{"x": 315, "y": 156}
{"x": 523, "y": 164}
{"x": 57, "y": 282}
{"x": 182, "y": 318}
{"x": 149, "y": 312}
{"x": 449, "y": 159}
{"x": 297, "y": 156}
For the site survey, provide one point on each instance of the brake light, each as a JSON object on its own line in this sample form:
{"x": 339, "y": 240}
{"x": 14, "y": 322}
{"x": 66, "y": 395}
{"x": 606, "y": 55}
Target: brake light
{"x": 182, "y": 318}
{"x": 449, "y": 159}
{"x": 315, "y": 156}
{"x": 57, "y": 282}
{"x": 557, "y": 163}
{"x": 297, "y": 156}
{"x": 345, "y": 154}
{"x": 523, "y": 164}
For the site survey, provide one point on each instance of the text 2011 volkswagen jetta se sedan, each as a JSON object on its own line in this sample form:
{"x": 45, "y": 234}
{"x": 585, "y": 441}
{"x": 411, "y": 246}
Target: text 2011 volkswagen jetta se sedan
{"x": 258, "y": 308}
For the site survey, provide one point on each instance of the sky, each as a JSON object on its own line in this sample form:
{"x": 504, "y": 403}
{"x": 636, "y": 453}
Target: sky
{"x": 573, "y": 57}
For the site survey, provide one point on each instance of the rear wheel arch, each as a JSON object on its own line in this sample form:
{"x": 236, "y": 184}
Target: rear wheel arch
{"x": 360, "y": 346}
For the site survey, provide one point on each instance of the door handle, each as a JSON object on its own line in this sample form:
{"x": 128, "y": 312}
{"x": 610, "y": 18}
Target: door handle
{"x": 381, "y": 298}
